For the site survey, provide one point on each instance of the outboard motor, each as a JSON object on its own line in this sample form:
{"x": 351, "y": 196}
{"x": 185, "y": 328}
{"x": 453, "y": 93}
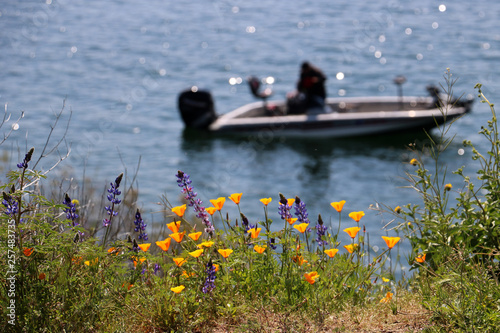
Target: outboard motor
{"x": 197, "y": 108}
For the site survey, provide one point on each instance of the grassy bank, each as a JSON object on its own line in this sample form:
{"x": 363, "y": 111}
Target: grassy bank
{"x": 67, "y": 267}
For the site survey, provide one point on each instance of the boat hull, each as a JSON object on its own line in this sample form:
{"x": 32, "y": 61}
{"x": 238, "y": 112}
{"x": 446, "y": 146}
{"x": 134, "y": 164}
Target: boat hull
{"x": 345, "y": 117}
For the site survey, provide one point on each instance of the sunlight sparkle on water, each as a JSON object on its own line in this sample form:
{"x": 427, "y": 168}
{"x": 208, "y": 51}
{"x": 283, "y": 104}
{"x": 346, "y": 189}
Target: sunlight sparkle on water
{"x": 442, "y": 8}
{"x": 235, "y": 80}
{"x": 340, "y": 76}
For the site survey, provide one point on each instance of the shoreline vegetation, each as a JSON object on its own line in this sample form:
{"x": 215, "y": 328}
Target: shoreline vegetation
{"x": 72, "y": 266}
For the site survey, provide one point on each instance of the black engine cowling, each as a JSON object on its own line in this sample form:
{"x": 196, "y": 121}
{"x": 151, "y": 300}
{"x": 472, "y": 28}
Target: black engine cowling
{"x": 197, "y": 108}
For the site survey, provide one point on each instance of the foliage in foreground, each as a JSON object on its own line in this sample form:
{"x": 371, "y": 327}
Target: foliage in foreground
{"x": 459, "y": 279}
{"x": 61, "y": 275}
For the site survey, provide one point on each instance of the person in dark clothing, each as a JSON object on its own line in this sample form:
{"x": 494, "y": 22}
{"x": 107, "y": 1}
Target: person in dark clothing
{"x": 311, "y": 92}
{"x": 312, "y": 85}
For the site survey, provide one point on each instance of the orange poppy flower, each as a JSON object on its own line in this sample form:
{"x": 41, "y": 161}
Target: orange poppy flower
{"x": 301, "y": 227}
{"x": 205, "y": 244}
{"x": 216, "y": 267}
{"x": 311, "y": 277}
{"x": 211, "y": 210}
{"x": 254, "y": 232}
{"x": 291, "y": 201}
{"x": 41, "y": 276}
{"x": 27, "y": 251}
{"x": 225, "y": 252}
{"x": 387, "y": 298}
{"x": 235, "y": 197}
{"x": 186, "y": 275}
{"x": 356, "y": 216}
{"x": 331, "y": 252}
{"x": 179, "y": 210}
{"x": 352, "y": 231}
{"x": 177, "y": 289}
{"x": 390, "y": 241}
{"x": 195, "y": 235}
{"x": 174, "y": 226}
{"x": 145, "y": 246}
{"x": 196, "y": 253}
{"x": 299, "y": 260}
{"x": 114, "y": 250}
{"x": 179, "y": 261}
{"x": 177, "y": 236}
{"x": 164, "y": 244}
{"x": 351, "y": 247}
{"x": 338, "y": 205}
{"x": 420, "y": 258}
{"x": 266, "y": 201}
{"x": 291, "y": 220}
{"x": 91, "y": 262}
{"x": 218, "y": 203}
{"x": 259, "y": 249}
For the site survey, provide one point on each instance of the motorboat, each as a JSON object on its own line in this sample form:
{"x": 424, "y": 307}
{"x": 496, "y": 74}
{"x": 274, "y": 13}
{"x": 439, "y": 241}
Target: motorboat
{"x": 339, "y": 117}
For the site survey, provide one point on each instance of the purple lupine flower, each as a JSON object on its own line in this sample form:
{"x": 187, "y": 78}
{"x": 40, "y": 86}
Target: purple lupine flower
{"x": 184, "y": 182}
{"x": 70, "y": 210}
{"x": 284, "y": 208}
{"x": 272, "y": 243}
{"x": 156, "y": 269}
{"x": 27, "y": 158}
{"x": 113, "y": 193}
{"x": 211, "y": 276}
{"x": 11, "y": 205}
{"x": 301, "y": 211}
{"x": 320, "y": 231}
{"x": 140, "y": 226}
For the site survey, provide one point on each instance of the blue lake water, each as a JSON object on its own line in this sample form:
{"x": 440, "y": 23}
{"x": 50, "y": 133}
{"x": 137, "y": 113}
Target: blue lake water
{"x": 120, "y": 65}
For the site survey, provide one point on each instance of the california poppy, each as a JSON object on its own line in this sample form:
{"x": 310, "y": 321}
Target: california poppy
{"x": 259, "y": 249}
{"x": 196, "y": 253}
{"x": 235, "y": 197}
{"x": 420, "y": 258}
{"x": 218, "y": 203}
{"x": 266, "y": 201}
{"x": 91, "y": 262}
{"x": 301, "y": 227}
{"x": 174, "y": 226}
{"x": 351, "y": 247}
{"x": 177, "y": 236}
{"x": 211, "y": 210}
{"x": 447, "y": 187}
{"x": 27, "y": 251}
{"x": 397, "y": 209}
{"x": 195, "y": 235}
{"x": 338, "y": 205}
{"x": 177, "y": 289}
{"x": 390, "y": 241}
{"x": 254, "y": 232}
{"x": 299, "y": 260}
{"x": 164, "y": 244}
{"x": 179, "y": 210}
{"x": 331, "y": 252}
{"x": 145, "y": 246}
{"x": 291, "y": 201}
{"x": 387, "y": 298}
{"x": 291, "y": 220}
{"x": 179, "y": 261}
{"x": 311, "y": 277}
{"x": 356, "y": 216}
{"x": 225, "y": 252}
{"x": 205, "y": 244}
{"x": 352, "y": 231}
